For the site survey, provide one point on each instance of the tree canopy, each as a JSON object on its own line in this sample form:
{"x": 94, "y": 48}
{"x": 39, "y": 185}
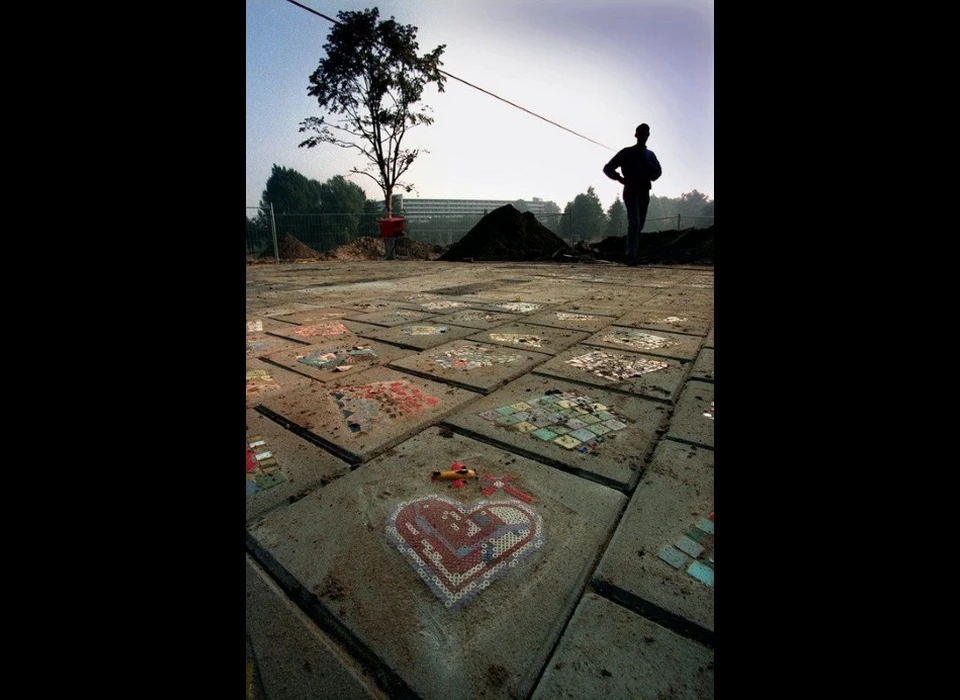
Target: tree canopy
{"x": 290, "y": 192}
{"x": 372, "y": 79}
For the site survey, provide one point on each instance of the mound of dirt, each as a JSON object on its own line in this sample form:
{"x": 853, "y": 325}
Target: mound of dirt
{"x": 371, "y": 248}
{"x": 506, "y": 234}
{"x": 291, "y": 248}
{"x": 688, "y": 247}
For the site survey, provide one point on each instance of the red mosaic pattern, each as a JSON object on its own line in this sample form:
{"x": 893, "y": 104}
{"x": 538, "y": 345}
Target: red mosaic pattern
{"x": 366, "y": 406}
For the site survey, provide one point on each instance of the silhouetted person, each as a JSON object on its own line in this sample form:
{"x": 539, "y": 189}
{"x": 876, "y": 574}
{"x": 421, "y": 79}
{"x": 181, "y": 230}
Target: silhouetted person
{"x": 638, "y": 168}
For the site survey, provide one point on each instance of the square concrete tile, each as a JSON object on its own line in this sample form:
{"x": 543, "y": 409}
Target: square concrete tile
{"x": 294, "y": 658}
{"x": 282, "y": 466}
{"x": 693, "y": 418}
{"x": 477, "y": 318}
{"x": 330, "y": 360}
{"x": 666, "y": 320}
{"x": 703, "y": 367}
{"x": 367, "y": 306}
{"x": 599, "y": 434}
{"x": 463, "y": 594}
{"x": 652, "y": 377}
{"x": 574, "y": 320}
{"x": 258, "y": 324}
{"x": 675, "y": 494}
{"x": 441, "y": 305}
{"x": 660, "y": 343}
{"x": 425, "y": 334}
{"x": 592, "y": 660}
{"x": 311, "y": 316}
{"x": 259, "y": 344}
{"x": 708, "y": 343}
{"x": 319, "y": 331}
{"x": 357, "y": 416}
{"x": 391, "y": 317}
{"x": 264, "y": 379}
{"x": 475, "y": 366}
{"x": 543, "y": 339}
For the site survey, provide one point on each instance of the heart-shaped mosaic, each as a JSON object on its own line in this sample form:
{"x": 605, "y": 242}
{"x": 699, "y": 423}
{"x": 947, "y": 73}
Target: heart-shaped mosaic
{"x": 459, "y": 550}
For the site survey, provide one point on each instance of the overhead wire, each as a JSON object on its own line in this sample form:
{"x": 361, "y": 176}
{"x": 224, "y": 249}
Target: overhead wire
{"x": 475, "y": 87}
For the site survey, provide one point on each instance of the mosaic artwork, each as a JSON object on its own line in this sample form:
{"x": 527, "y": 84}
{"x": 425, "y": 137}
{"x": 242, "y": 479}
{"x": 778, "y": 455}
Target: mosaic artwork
{"x": 367, "y": 305}
{"x": 467, "y": 357}
{"x": 571, "y": 420}
{"x": 474, "y": 315}
{"x": 520, "y": 306}
{"x": 503, "y": 483}
{"x": 258, "y": 380}
{"x": 254, "y": 326}
{"x": 459, "y": 550}
{"x": 403, "y": 315}
{"x": 324, "y": 329}
{"x": 435, "y": 305}
{"x": 369, "y": 405}
{"x": 709, "y": 412}
{"x": 615, "y": 367}
{"x": 638, "y": 339}
{"x": 532, "y": 341}
{"x": 263, "y": 472}
{"x": 255, "y": 346}
{"x": 693, "y": 551}
{"x": 337, "y": 357}
{"x": 425, "y": 330}
{"x": 564, "y": 316}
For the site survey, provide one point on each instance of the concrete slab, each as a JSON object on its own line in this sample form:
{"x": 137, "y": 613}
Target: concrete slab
{"x": 389, "y": 318}
{"x": 428, "y": 333}
{"x": 543, "y": 339}
{"x": 513, "y": 304}
{"x": 441, "y": 305}
{"x": 311, "y": 316}
{"x": 660, "y": 343}
{"x": 337, "y": 328}
{"x": 703, "y": 367}
{"x": 358, "y": 416}
{"x": 658, "y": 319}
{"x": 692, "y": 420}
{"x": 575, "y": 320}
{"x": 282, "y": 309}
{"x": 610, "y": 652}
{"x": 257, "y": 324}
{"x": 691, "y": 301}
{"x": 596, "y": 433}
{"x": 479, "y": 367}
{"x": 328, "y": 360}
{"x": 643, "y": 567}
{"x": 367, "y": 306}
{"x": 282, "y": 466}
{"x": 500, "y": 574}
{"x": 477, "y": 318}
{"x": 708, "y": 343}
{"x": 657, "y": 378}
{"x": 295, "y": 659}
{"x": 264, "y": 379}
{"x": 259, "y": 344}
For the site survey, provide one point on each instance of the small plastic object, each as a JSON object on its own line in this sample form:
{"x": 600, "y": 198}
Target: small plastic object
{"x": 462, "y": 473}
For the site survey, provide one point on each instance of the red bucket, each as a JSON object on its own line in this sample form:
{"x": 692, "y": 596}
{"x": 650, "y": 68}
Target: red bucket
{"x": 392, "y": 227}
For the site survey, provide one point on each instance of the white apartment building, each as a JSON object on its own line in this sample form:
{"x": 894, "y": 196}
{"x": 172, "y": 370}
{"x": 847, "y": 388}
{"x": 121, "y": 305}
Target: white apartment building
{"x": 427, "y": 208}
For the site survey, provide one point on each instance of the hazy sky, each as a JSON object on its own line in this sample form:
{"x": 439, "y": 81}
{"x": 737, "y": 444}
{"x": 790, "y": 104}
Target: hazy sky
{"x": 596, "y": 67}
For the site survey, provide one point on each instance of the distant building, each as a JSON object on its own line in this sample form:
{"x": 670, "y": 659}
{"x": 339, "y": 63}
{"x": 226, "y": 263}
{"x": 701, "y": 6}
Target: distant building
{"x": 428, "y": 208}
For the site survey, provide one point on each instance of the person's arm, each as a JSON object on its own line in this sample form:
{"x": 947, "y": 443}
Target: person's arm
{"x": 610, "y": 169}
{"x": 654, "y": 166}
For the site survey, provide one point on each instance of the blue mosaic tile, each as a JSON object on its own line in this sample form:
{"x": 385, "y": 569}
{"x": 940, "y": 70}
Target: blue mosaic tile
{"x": 688, "y": 546}
{"x": 673, "y": 556}
{"x": 701, "y": 572}
{"x": 705, "y": 525}
{"x": 545, "y": 434}
{"x": 583, "y": 435}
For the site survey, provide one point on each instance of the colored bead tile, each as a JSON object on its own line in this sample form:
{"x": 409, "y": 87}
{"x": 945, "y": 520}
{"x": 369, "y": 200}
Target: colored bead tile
{"x": 567, "y": 441}
{"x": 598, "y": 428}
{"x": 673, "y": 556}
{"x": 525, "y": 427}
{"x": 688, "y": 546}
{"x": 705, "y": 525}
{"x": 521, "y": 406}
{"x": 506, "y": 410}
{"x": 615, "y": 425}
{"x": 545, "y": 434}
{"x": 583, "y": 435}
{"x": 701, "y": 572}
{"x": 697, "y": 535}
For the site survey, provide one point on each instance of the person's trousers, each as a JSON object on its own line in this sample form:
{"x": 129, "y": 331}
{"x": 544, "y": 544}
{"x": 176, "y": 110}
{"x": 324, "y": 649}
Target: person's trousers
{"x": 637, "y": 202}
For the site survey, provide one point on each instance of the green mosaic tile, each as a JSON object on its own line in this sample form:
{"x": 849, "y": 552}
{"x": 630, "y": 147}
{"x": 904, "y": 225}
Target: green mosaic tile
{"x": 545, "y": 434}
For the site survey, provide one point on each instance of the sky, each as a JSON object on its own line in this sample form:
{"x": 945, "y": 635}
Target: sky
{"x": 595, "y": 67}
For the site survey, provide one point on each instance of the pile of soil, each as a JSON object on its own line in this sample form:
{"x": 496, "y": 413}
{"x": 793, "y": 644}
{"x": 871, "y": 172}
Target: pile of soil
{"x": 506, "y": 234}
{"x": 291, "y": 248}
{"x": 371, "y": 248}
{"x": 687, "y": 247}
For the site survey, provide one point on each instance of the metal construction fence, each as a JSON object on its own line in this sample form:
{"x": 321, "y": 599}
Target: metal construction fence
{"x": 271, "y": 236}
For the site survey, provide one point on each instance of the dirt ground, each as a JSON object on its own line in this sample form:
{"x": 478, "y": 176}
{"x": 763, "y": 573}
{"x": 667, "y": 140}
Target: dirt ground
{"x": 506, "y": 234}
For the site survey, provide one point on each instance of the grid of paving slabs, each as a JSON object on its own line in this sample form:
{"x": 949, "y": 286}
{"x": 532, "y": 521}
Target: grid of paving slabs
{"x": 317, "y": 331}
{"x": 265, "y": 379}
{"x": 673, "y": 345}
{"x": 692, "y": 420}
{"x": 575, "y": 320}
{"x": 311, "y": 316}
{"x": 259, "y": 324}
{"x": 392, "y": 317}
{"x": 442, "y": 305}
{"x": 592, "y": 431}
{"x": 358, "y": 415}
{"x": 324, "y": 361}
{"x": 476, "y": 318}
{"x": 634, "y": 373}
{"x": 544, "y": 339}
{"x": 337, "y": 544}
{"x": 471, "y": 365}
{"x": 420, "y": 336}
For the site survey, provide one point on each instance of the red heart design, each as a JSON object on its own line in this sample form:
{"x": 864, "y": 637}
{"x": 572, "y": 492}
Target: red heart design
{"x": 459, "y": 550}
